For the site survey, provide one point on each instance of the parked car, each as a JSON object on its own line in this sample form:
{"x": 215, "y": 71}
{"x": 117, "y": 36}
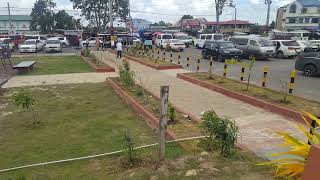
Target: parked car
{"x": 286, "y": 48}
{"x": 31, "y": 45}
{"x": 38, "y": 37}
{"x": 308, "y": 62}
{"x": 313, "y": 46}
{"x": 91, "y": 41}
{"x": 176, "y": 45}
{"x": 7, "y": 43}
{"x": 187, "y": 40}
{"x": 163, "y": 39}
{"x": 53, "y": 45}
{"x": 257, "y": 46}
{"x": 221, "y": 50}
{"x": 63, "y": 40}
{"x": 202, "y": 38}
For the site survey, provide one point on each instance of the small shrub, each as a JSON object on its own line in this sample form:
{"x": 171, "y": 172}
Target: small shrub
{"x": 93, "y": 58}
{"x": 223, "y": 133}
{"x": 172, "y": 114}
{"x": 24, "y": 100}
{"x": 251, "y": 64}
{"x": 139, "y": 91}
{"x": 284, "y": 87}
{"x": 85, "y": 52}
{"x": 128, "y": 147}
{"x": 126, "y": 75}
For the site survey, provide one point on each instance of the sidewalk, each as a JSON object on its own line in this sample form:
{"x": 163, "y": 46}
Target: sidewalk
{"x": 19, "y": 81}
{"x": 257, "y": 126}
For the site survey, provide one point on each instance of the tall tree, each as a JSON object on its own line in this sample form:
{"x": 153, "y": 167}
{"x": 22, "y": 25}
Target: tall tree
{"x": 272, "y": 25}
{"x": 97, "y": 11}
{"x": 187, "y": 17}
{"x": 64, "y": 20}
{"x": 219, "y": 4}
{"x": 42, "y": 16}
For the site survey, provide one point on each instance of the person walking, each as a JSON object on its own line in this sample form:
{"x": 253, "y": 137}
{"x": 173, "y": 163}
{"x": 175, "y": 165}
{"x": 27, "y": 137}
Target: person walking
{"x": 119, "y": 49}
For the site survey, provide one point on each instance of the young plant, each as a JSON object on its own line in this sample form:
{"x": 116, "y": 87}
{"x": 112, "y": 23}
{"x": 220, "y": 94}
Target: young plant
{"x": 25, "y": 101}
{"x": 85, "y": 52}
{"x": 251, "y": 64}
{"x": 128, "y": 147}
{"x": 284, "y": 87}
{"x": 126, "y": 75}
{"x": 93, "y": 58}
{"x": 172, "y": 114}
{"x": 290, "y": 164}
{"x": 223, "y": 133}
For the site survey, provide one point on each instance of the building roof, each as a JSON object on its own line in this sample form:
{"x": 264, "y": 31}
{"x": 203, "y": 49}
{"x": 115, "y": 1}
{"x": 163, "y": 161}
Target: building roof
{"x": 231, "y": 22}
{"x": 309, "y": 3}
{"x": 15, "y": 18}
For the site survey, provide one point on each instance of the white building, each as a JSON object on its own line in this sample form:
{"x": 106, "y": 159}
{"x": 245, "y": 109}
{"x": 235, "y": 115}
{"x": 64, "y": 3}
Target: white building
{"x": 300, "y": 14}
{"x": 141, "y": 24}
{"x": 19, "y": 23}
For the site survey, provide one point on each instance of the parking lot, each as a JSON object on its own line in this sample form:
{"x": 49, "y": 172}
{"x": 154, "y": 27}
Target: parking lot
{"x": 279, "y": 70}
{"x": 65, "y": 51}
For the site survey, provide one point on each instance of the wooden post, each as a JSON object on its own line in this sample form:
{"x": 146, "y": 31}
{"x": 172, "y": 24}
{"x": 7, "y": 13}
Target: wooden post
{"x": 164, "y": 95}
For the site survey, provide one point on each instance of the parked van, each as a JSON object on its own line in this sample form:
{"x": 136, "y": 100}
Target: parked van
{"x": 163, "y": 40}
{"x": 257, "y": 46}
{"x": 43, "y": 39}
{"x": 202, "y": 38}
{"x": 286, "y": 48}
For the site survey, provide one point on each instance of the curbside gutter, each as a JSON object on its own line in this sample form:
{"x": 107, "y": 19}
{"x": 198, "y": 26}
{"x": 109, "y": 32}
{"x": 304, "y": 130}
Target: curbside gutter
{"x": 247, "y": 99}
{"x": 151, "y": 120}
{"x": 159, "y": 67}
{"x": 98, "y": 69}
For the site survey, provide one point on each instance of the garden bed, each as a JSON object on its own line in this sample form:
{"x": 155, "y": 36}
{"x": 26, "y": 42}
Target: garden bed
{"x": 261, "y": 97}
{"x": 98, "y": 65}
{"x": 152, "y": 63}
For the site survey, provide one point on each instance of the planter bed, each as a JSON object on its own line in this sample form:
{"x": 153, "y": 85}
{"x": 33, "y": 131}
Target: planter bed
{"x": 160, "y": 65}
{"x": 98, "y": 66}
{"x": 261, "y": 97}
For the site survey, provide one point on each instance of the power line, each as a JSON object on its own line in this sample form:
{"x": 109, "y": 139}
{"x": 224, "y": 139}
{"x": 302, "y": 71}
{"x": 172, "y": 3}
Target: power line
{"x": 144, "y": 12}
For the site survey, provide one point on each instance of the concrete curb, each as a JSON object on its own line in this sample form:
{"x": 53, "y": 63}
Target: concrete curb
{"x": 98, "y": 69}
{"x": 151, "y": 120}
{"x": 156, "y": 67}
{"x": 247, "y": 99}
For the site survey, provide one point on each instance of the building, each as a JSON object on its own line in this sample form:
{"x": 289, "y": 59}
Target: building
{"x": 141, "y": 24}
{"x": 19, "y": 23}
{"x": 298, "y": 15}
{"x": 191, "y": 24}
{"x": 230, "y": 26}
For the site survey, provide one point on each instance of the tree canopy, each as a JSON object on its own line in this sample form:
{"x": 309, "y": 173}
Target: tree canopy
{"x": 187, "y": 17}
{"x": 42, "y": 16}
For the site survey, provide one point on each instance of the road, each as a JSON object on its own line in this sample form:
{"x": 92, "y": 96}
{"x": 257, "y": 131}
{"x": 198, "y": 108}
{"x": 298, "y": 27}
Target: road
{"x": 279, "y": 70}
{"x": 65, "y": 51}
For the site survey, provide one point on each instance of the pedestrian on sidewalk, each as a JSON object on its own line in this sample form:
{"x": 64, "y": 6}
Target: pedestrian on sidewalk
{"x": 119, "y": 49}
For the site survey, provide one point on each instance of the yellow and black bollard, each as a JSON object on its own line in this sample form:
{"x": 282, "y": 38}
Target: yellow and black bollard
{"x": 198, "y": 63}
{"x": 292, "y": 79}
{"x": 210, "y": 63}
{"x": 188, "y": 61}
{"x": 242, "y": 72}
{"x": 158, "y": 58}
{"x": 265, "y": 77}
{"x": 164, "y": 55}
{"x": 225, "y": 69}
{"x": 171, "y": 56}
{"x": 179, "y": 58}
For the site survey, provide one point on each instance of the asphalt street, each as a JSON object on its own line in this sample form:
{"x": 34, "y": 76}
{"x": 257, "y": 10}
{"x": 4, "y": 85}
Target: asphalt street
{"x": 68, "y": 50}
{"x": 279, "y": 72}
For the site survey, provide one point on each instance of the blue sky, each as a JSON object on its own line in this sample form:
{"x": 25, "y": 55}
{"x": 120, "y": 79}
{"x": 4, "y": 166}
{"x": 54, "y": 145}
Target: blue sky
{"x": 251, "y": 10}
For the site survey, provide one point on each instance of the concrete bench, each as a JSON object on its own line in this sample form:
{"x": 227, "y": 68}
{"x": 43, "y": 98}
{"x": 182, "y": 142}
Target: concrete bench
{"x": 25, "y": 66}
{"x": 2, "y": 82}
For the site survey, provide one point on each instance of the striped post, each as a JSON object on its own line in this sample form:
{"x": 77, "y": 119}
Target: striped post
{"x": 158, "y": 58}
{"x": 265, "y": 78}
{"x": 179, "y": 58}
{"x": 164, "y": 55}
{"x": 198, "y": 64}
{"x": 292, "y": 79}
{"x": 225, "y": 70}
{"x": 188, "y": 61}
{"x": 171, "y": 56}
{"x": 210, "y": 64}
{"x": 242, "y": 72}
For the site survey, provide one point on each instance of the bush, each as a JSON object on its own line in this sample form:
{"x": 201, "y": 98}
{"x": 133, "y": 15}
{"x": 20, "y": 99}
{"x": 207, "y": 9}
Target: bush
{"x": 126, "y": 75}
{"x": 85, "y": 52}
{"x": 172, "y": 114}
{"x": 128, "y": 147}
{"x": 93, "y": 58}
{"x": 223, "y": 133}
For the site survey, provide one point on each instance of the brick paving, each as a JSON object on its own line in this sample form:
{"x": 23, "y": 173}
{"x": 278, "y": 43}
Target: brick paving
{"x": 257, "y": 126}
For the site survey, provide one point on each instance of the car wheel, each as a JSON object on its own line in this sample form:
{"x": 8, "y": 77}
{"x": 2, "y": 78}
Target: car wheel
{"x": 36, "y": 49}
{"x": 280, "y": 55}
{"x": 310, "y": 70}
{"x": 64, "y": 45}
{"x": 197, "y": 46}
{"x": 187, "y": 45}
{"x": 220, "y": 58}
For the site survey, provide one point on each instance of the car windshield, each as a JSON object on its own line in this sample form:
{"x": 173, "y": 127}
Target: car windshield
{"x": 265, "y": 43}
{"x": 167, "y": 37}
{"x": 176, "y": 41}
{"x": 182, "y": 37}
{"x": 227, "y": 45}
{"x": 218, "y": 37}
{"x": 53, "y": 42}
{"x": 290, "y": 43}
{"x": 314, "y": 45}
{"x": 29, "y": 42}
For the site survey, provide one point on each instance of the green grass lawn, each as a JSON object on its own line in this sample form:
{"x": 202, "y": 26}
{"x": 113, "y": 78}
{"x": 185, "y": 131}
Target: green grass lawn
{"x": 75, "y": 120}
{"x": 55, "y": 65}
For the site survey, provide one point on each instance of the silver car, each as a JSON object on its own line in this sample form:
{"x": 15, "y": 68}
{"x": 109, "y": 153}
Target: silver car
{"x": 53, "y": 46}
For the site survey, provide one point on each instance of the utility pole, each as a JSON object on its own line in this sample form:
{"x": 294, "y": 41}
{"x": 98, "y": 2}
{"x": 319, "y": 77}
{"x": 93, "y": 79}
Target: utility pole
{"x": 235, "y": 18}
{"x": 10, "y": 24}
{"x": 268, "y": 2}
{"x": 111, "y": 16}
{"x": 129, "y": 8}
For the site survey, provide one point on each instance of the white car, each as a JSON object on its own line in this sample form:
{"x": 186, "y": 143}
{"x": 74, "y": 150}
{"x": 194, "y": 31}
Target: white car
{"x": 202, "y": 38}
{"x": 286, "y": 48}
{"x": 53, "y": 45}
{"x": 63, "y": 40}
{"x": 163, "y": 39}
{"x": 6, "y": 42}
{"x": 31, "y": 45}
{"x": 176, "y": 45}
{"x": 91, "y": 42}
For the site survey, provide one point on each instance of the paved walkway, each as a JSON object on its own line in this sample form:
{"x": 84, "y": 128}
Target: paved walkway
{"x": 19, "y": 81}
{"x": 257, "y": 126}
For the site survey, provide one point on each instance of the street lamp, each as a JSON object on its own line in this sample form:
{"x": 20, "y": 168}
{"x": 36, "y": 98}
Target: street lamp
{"x": 231, "y": 4}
